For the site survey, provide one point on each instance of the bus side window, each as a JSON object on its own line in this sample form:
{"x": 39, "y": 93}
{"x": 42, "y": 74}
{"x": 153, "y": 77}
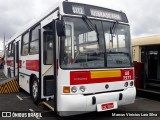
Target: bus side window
{"x": 48, "y": 48}
{"x": 12, "y": 50}
{"x": 25, "y": 44}
{"x": 9, "y": 50}
{"x": 34, "y": 44}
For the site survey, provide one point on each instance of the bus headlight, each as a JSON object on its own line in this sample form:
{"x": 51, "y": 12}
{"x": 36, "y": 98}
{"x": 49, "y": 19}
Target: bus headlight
{"x": 131, "y": 83}
{"x": 74, "y": 89}
{"x": 126, "y": 84}
{"x": 82, "y": 88}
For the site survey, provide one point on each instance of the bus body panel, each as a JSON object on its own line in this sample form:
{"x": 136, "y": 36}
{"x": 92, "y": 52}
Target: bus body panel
{"x": 82, "y": 101}
{"x": 29, "y": 66}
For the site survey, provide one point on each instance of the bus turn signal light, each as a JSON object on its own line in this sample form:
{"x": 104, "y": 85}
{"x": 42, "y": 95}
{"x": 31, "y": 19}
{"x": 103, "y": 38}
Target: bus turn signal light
{"x": 66, "y": 89}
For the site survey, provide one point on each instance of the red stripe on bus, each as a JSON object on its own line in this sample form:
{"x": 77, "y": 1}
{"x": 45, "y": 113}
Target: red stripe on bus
{"x": 32, "y": 65}
{"x": 10, "y": 63}
{"x": 77, "y": 78}
{"x": 20, "y": 63}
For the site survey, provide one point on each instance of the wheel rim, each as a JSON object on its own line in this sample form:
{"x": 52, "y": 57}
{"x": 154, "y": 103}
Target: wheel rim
{"x": 35, "y": 89}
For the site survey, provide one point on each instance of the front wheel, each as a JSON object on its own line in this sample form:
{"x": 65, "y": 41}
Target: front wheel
{"x": 35, "y": 91}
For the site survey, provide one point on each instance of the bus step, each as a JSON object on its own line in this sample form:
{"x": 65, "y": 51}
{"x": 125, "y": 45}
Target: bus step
{"x": 9, "y": 85}
{"x": 48, "y": 104}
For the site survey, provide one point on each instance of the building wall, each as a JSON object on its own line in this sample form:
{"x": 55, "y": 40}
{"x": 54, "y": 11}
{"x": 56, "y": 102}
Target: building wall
{"x": 136, "y": 53}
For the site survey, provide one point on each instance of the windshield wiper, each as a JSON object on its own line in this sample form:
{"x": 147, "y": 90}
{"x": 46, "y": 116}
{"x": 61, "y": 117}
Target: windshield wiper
{"x": 113, "y": 28}
{"x": 90, "y": 25}
{"x": 113, "y": 31}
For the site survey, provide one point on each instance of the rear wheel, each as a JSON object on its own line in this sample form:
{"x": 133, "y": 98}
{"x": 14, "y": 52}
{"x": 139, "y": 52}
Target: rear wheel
{"x": 35, "y": 91}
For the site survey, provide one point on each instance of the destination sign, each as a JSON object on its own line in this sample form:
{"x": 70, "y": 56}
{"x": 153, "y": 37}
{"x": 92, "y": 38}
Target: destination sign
{"x": 93, "y": 11}
{"x": 105, "y": 14}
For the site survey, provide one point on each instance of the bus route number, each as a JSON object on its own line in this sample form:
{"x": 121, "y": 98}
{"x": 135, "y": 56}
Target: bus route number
{"x": 127, "y": 76}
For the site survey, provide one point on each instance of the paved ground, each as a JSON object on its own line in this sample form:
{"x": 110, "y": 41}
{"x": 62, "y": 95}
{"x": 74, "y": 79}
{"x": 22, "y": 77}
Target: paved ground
{"x": 22, "y": 102}
{"x": 13, "y": 102}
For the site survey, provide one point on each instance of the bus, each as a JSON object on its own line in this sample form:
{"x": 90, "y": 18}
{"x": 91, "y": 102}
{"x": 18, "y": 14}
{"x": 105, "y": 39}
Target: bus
{"x": 78, "y": 56}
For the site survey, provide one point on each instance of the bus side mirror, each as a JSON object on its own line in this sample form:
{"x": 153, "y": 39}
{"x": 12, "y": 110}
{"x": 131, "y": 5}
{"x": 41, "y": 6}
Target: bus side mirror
{"x": 60, "y": 28}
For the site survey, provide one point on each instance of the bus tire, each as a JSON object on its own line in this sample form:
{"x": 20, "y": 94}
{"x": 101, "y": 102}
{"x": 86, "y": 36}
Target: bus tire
{"x": 35, "y": 91}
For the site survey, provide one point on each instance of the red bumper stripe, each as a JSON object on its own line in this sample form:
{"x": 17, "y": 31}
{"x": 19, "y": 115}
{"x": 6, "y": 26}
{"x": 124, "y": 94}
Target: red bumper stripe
{"x": 77, "y": 78}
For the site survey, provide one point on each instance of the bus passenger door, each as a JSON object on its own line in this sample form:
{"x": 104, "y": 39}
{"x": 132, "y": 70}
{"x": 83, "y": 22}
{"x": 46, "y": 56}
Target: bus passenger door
{"x": 49, "y": 62}
{"x": 47, "y": 67}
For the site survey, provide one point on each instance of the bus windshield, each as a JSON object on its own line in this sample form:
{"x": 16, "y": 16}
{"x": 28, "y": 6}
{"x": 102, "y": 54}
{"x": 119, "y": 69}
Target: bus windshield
{"x": 95, "y": 44}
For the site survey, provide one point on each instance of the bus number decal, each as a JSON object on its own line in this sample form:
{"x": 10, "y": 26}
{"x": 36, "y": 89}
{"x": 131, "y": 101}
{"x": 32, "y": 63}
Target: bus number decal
{"x": 127, "y": 77}
{"x": 127, "y": 74}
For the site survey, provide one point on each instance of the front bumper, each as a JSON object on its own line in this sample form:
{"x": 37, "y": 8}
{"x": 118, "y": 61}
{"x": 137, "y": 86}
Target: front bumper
{"x": 78, "y": 104}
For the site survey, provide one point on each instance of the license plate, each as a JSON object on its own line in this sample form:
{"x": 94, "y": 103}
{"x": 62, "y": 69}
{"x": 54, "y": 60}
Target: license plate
{"x": 107, "y": 106}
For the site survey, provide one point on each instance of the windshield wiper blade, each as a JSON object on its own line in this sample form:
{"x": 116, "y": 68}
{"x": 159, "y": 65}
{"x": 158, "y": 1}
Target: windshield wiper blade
{"x": 113, "y": 28}
{"x": 113, "y": 31}
{"x": 90, "y": 25}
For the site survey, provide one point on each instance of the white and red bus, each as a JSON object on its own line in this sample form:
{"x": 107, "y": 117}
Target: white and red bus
{"x": 78, "y": 56}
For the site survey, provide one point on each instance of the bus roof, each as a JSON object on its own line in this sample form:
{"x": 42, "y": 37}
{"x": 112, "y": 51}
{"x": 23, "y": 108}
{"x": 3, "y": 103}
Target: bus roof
{"x": 145, "y": 41}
